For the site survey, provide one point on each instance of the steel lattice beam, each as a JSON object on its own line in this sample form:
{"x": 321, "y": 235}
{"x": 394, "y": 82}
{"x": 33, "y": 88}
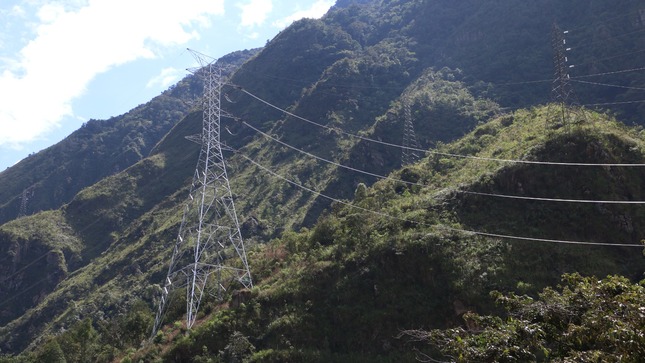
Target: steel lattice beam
{"x": 209, "y": 242}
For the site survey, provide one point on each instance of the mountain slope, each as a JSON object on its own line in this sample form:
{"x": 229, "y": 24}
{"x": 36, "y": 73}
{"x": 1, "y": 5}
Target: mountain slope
{"x": 402, "y": 39}
{"x": 343, "y": 290}
{"x": 350, "y": 72}
{"x": 108, "y": 221}
{"x": 373, "y": 274}
{"x": 50, "y": 178}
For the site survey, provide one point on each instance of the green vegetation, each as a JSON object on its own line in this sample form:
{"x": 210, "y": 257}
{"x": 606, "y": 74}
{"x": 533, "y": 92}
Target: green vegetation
{"x": 353, "y": 282}
{"x": 97, "y": 150}
{"x": 344, "y": 289}
{"x": 583, "y": 320}
{"x": 339, "y": 281}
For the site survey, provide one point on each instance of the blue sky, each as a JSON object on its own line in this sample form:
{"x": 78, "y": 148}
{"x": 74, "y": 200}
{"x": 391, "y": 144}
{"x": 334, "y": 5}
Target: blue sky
{"x": 63, "y": 62}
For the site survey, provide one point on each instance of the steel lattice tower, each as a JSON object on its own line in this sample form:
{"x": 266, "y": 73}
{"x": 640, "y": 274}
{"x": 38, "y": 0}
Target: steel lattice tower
{"x": 561, "y": 90}
{"x": 209, "y": 242}
{"x": 408, "y": 155}
{"x": 27, "y": 194}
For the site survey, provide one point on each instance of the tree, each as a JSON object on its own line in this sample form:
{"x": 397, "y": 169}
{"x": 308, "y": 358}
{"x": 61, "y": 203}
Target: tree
{"x": 79, "y": 344}
{"x": 52, "y": 353}
{"x": 238, "y": 348}
{"x": 584, "y": 320}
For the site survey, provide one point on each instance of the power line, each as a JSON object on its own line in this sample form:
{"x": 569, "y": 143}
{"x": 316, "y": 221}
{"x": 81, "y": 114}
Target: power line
{"x": 480, "y": 158}
{"x": 71, "y": 274}
{"x": 614, "y": 103}
{"x": 322, "y": 83}
{"x": 610, "y": 73}
{"x": 595, "y": 25}
{"x": 638, "y": 202}
{"x": 545, "y": 80}
{"x": 495, "y": 235}
{"x": 607, "y": 58}
{"x": 486, "y": 234}
{"x": 572, "y": 78}
{"x": 316, "y": 156}
{"x": 587, "y": 44}
{"x": 609, "y": 85}
{"x": 26, "y": 266}
{"x": 426, "y": 185}
{"x": 523, "y": 82}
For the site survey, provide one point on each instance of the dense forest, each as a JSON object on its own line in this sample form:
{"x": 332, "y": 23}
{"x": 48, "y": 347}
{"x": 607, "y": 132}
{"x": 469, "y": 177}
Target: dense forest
{"x": 514, "y": 236}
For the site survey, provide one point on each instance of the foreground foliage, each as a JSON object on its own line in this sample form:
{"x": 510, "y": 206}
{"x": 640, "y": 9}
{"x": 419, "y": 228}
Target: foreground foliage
{"x": 583, "y": 320}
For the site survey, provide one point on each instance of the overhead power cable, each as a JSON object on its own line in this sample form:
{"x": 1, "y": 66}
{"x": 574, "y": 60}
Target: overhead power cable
{"x": 425, "y": 185}
{"x": 593, "y": 42}
{"x": 595, "y": 25}
{"x": 26, "y": 266}
{"x": 88, "y": 250}
{"x": 614, "y": 103}
{"x": 317, "y": 192}
{"x": 318, "y": 157}
{"x": 553, "y": 199}
{"x": 524, "y": 82}
{"x": 433, "y": 152}
{"x": 607, "y": 58}
{"x": 610, "y": 73}
{"x": 485, "y": 234}
{"x": 545, "y": 80}
{"x": 608, "y": 85}
{"x": 496, "y": 235}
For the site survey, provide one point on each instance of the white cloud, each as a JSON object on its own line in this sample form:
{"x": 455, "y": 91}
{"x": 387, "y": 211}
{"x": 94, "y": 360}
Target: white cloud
{"x": 18, "y": 11}
{"x": 255, "y": 12}
{"x": 252, "y": 36}
{"x": 167, "y": 77}
{"x": 72, "y": 45}
{"x": 317, "y": 10}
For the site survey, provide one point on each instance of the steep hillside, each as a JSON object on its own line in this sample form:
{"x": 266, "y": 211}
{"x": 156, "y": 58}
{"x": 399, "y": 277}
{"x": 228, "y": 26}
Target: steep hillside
{"x": 103, "y": 224}
{"x": 403, "y": 254}
{"x": 400, "y": 256}
{"x": 508, "y": 43}
{"x": 100, "y": 148}
{"x": 109, "y": 214}
{"x": 343, "y": 288}
{"x": 351, "y": 70}
{"x": 361, "y": 57}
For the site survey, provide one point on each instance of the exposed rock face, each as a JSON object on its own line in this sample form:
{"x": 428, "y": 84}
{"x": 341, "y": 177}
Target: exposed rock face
{"x": 240, "y": 297}
{"x": 28, "y": 274}
{"x": 56, "y": 267}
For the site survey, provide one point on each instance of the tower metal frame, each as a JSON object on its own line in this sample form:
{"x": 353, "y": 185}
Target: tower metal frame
{"x": 27, "y": 195}
{"x": 408, "y": 155}
{"x": 561, "y": 89}
{"x": 562, "y": 92}
{"x": 209, "y": 241}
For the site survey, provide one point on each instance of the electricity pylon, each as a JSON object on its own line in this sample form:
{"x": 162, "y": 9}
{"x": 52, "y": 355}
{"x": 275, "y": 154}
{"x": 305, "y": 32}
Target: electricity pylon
{"x": 562, "y": 92}
{"x": 27, "y": 194}
{"x": 409, "y": 155}
{"x": 209, "y": 242}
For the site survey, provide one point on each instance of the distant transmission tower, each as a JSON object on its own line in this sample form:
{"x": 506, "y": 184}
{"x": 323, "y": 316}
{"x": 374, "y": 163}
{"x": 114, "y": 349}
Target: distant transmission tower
{"x": 209, "y": 243}
{"x": 408, "y": 155}
{"x": 562, "y": 92}
{"x": 27, "y": 194}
